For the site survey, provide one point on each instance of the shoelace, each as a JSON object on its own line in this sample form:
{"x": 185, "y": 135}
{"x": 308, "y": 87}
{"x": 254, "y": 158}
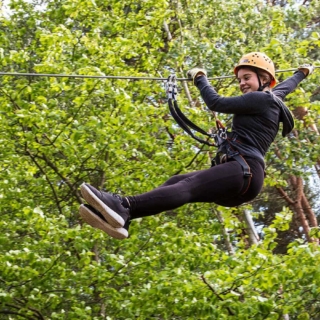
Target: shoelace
{"x": 115, "y": 195}
{"x": 123, "y": 200}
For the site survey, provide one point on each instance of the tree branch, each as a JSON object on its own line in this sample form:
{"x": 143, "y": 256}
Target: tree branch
{"x": 33, "y": 158}
{"x": 216, "y": 294}
{"x": 285, "y": 196}
{"x": 16, "y": 313}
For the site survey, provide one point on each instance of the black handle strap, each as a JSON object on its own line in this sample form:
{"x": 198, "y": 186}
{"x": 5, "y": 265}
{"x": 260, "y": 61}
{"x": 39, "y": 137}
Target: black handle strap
{"x": 186, "y": 124}
{"x": 189, "y": 122}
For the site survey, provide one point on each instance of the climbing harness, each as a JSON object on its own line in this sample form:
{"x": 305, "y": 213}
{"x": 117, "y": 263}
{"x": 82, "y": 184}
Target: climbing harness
{"x": 222, "y": 138}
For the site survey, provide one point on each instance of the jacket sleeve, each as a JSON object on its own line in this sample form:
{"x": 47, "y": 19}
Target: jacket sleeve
{"x": 288, "y": 85}
{"x": 249, "y": 103}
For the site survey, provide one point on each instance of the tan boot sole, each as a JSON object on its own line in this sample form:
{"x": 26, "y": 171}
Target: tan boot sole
{"x": 113, "y": 218}
{"x": 96, "y": 222}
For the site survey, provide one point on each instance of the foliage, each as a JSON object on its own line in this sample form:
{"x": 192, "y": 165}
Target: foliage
{"x": 116, "y": 134}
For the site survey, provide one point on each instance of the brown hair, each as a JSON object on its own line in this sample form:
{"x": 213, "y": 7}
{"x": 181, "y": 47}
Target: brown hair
{"x": 261, "y": 73}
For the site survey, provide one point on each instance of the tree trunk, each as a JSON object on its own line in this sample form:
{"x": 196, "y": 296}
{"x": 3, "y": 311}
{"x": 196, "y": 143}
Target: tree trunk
{"x": 250, "y": 228}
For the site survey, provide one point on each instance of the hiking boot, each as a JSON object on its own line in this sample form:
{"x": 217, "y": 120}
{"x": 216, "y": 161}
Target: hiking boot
{"x": 96, "y": 220}
{"x": 109, "y": 205}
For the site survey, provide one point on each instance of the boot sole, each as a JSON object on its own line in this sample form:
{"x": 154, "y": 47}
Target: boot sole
{"x": 113, "y": 218}
{"x": 96, "y": 222}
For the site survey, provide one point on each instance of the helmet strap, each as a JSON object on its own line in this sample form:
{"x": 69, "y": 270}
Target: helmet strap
{"x": 261, "y": 86}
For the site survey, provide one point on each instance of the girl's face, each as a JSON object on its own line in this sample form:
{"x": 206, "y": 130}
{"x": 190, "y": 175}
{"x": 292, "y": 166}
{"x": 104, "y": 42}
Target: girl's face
{"x": 248, "y": 80}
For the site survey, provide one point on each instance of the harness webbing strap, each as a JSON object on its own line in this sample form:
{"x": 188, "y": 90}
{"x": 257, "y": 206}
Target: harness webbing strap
{"x": 188, "y": 121}
{"x": 179, "y": 117}
{"x": 246, "y": 173}
{"x": 185, "y": 123}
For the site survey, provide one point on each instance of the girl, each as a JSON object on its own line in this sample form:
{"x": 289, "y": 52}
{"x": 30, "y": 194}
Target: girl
{"x": 238, "y": 176}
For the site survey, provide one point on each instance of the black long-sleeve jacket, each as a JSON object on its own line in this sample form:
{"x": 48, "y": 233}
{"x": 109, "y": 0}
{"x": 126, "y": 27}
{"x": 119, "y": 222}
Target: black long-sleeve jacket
{"x": 256, "y": 114}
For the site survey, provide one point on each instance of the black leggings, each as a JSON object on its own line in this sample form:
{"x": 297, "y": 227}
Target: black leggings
{"x": 221, "y": 184}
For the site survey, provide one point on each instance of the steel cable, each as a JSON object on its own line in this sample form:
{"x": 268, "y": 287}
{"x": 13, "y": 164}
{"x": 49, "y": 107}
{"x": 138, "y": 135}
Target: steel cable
{"x": 18, "y": 74}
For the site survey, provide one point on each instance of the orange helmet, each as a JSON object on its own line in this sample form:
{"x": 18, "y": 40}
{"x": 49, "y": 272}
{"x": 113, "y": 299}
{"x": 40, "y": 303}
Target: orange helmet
{"x": 258, "y": 60}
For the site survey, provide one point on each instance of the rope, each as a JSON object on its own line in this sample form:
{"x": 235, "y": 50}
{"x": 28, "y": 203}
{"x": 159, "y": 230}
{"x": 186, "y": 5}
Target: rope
{"x": 17, "y": 74}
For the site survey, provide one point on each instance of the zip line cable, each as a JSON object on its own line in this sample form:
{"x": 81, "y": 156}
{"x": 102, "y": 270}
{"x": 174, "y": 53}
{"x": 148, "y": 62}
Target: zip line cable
{"x": 17, "y": 74}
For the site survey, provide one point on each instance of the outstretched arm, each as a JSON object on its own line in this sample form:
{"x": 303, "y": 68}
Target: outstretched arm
{"x": 288, "y": 85}
{"x": 250, "y": 103}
